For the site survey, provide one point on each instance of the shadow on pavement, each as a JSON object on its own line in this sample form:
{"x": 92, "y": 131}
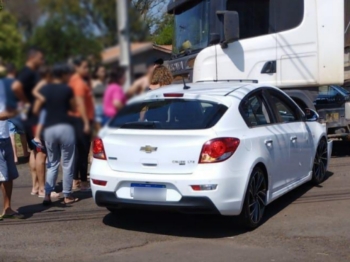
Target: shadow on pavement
{"x": 30, "y": 210}
{"x": 197, "y": 226}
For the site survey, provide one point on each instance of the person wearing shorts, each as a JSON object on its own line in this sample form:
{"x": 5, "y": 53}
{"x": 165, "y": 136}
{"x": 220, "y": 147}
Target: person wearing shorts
{"x": 15, "y": 124}
{"x": 8, "y": 169}
{"x": 23, "y": 88}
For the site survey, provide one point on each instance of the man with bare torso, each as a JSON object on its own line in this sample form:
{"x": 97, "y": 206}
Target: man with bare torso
{"x": 143, "y": 83}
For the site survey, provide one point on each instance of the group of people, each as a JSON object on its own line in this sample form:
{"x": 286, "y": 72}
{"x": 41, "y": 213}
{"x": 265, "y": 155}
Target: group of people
{"x": 55, "y": 111}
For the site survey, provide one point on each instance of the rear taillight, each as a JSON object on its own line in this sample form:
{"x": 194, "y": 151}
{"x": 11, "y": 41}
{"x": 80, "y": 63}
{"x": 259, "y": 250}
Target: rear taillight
{"x": 98, "y": 149}
{"x": 218, "y": 150}
{"x": 99, "y": 182}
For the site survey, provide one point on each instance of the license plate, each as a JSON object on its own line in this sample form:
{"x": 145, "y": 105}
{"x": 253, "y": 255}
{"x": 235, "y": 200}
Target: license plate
{"x": 148, "y": 192}
{"x": 332, "y": 117}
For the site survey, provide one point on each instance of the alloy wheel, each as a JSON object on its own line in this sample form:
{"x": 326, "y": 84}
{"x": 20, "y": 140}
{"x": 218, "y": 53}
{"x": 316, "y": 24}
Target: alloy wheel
{"x": 257, "y": 196}
{"x": 320, "y": 163}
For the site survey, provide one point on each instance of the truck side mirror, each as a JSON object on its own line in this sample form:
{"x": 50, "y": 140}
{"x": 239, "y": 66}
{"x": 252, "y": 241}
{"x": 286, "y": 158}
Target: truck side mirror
{"x": 230, "y": 20}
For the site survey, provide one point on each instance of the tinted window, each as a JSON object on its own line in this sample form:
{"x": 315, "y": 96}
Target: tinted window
{"x": 285, "y": 110}
{"x": 254, "y": 111}
{"x": 262, "y": 17}
{"x": 175, "y": 114}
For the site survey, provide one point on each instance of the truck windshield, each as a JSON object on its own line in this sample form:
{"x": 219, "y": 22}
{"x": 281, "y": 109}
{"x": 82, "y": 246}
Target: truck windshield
{"x": 192, "y": 27}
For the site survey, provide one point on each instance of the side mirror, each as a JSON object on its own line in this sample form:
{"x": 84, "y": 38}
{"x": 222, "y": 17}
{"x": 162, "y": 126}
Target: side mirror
{"x": 230, "y": 20}
{"x": 311, "y": 115}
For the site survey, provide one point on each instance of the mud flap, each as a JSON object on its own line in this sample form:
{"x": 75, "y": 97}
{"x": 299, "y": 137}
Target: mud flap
{"x": 329, "y": 150}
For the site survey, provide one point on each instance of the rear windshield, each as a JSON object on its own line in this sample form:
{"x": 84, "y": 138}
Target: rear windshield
{"x": 176, "y": 114}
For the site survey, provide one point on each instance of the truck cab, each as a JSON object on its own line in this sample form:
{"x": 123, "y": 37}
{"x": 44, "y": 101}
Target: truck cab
{"x": 296, "y": 45}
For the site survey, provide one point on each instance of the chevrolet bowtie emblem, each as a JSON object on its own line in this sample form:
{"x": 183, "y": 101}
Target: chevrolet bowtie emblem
{"x": 148, "y": 149}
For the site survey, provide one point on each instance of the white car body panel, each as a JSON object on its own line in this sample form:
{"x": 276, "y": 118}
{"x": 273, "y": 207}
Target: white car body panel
{"x": 288, "y": 163}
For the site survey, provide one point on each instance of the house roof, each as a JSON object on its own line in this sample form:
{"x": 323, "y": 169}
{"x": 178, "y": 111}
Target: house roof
{"x": 112, "y": 54}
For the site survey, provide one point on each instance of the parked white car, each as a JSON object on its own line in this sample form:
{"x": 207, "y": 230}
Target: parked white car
{"x": 226, "y": 148}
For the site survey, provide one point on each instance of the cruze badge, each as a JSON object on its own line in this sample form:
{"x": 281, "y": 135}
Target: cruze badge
{"x": 148, "y": 149}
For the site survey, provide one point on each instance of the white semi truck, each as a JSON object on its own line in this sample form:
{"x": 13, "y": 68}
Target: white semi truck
{"x": 301, "y": 46}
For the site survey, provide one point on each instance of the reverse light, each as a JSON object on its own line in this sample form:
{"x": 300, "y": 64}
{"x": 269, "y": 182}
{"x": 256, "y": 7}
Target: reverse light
{"x": 99, "y": 182}
{"x": 204, "y": 187}
{"x": 173, "y": 95}
{"x": 218, "y": 150}
{"x": 98, "y": 149}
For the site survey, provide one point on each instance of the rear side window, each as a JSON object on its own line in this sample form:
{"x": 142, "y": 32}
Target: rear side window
{"x": 176, "y": 114}
{"x": 254, "y": 111}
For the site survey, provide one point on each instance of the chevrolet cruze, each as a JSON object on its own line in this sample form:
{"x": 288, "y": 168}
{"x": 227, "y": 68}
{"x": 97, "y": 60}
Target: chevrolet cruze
{"x": 222, "y": 148}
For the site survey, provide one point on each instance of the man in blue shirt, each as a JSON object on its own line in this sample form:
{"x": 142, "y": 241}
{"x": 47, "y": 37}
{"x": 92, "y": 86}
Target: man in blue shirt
{"x": 15, "y": 124}
{"x": 8, "y": 169}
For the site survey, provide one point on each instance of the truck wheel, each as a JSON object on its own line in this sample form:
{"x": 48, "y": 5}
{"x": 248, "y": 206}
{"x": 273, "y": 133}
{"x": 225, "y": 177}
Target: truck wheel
{"x": 255, "y": 199}
{"x": 319, "y": 169}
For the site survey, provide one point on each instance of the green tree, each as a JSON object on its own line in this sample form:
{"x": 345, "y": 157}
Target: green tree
{"x": 10, "y": 39}
{"x": 99, "y": 17}
{"x": 164, "y": 33}
{"x": 60, "y": 41}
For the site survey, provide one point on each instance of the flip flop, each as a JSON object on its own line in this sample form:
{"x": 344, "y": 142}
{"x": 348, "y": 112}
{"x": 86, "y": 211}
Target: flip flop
{"x": 55, "y": 195}
{"x": 12, "y": 216}
{"x": 74, "y": 200}
{"x": 34, "y": 193}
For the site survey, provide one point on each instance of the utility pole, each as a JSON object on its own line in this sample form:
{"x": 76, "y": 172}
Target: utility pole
{"x": 124, "y": 39}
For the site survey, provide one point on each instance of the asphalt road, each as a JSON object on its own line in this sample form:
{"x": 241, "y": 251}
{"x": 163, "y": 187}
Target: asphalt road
{"x": 308, "y": 224}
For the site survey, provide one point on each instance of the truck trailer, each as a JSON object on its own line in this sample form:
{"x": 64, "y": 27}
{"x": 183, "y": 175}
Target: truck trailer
{"x": 300, "y": 46}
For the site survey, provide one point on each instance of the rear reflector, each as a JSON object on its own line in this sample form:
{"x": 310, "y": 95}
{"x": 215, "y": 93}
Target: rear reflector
{"x": 99, "y": 182}
{"x": 98, "y": 149}
{"x": 204, "y": 187}
{"x": 218, "y": 150}
{"x": 173, "y": 95}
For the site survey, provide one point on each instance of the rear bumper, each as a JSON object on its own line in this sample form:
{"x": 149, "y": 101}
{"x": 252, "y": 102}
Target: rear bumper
{"x": 191, "y": 205}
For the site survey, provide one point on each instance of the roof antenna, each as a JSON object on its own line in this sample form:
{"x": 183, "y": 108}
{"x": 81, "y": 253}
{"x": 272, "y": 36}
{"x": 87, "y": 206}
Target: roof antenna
{"x": 185, "y": 86}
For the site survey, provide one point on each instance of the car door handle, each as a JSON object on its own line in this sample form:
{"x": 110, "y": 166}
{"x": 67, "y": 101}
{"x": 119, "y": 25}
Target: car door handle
{"x": 269, "y": 142}
{"x": 293, "y": 139}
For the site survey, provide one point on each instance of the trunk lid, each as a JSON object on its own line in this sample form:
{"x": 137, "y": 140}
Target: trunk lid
{"x": 155, "y": 151}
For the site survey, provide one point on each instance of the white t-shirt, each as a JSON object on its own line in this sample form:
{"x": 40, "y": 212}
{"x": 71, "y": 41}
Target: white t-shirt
{"x": 4, "y": 128}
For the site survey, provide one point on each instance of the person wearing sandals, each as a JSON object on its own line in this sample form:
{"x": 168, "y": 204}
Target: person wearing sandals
{"x": 8, "y": 169}
{"x": 84, "y": 116}
{"x": 59, "y": 136}
{"x": 23, "y": 87}
{"x": 37, "y": 141}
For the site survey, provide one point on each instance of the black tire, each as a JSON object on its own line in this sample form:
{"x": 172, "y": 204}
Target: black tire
{"x": 319, "y": 169}
{"x": 255, "y": 199}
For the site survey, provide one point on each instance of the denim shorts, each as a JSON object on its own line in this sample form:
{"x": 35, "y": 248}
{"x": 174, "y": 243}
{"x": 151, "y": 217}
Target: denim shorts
{"x": 99, "y": 114}
{"x": 42, "y": 117}
{"x": 8, "y": 169}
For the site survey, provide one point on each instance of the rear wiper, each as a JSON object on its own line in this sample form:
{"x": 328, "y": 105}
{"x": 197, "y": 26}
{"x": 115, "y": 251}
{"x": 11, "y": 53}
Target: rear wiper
{"x": 141, "y": 125}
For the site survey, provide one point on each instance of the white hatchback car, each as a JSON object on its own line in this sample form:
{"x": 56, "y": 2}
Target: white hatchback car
{"x": 225, "y": 148}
